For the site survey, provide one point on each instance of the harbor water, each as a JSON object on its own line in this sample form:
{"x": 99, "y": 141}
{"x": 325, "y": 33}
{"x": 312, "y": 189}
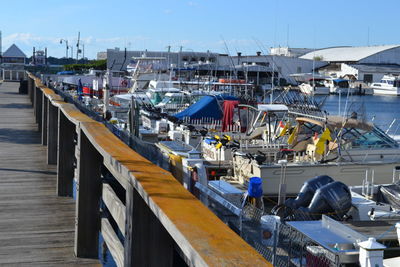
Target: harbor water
{"x": 382, "y": 110}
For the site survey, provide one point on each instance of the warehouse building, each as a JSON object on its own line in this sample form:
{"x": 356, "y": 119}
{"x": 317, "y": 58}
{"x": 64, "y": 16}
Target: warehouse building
{"x": 364, "y": 63}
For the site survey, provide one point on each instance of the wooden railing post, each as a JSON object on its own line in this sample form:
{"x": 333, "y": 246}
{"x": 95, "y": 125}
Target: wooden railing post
{"x": 147, "y": 243}
{"x": 30, "y": 89}
{"x": 38, "y": 108}
{"x": 88, "y": 199}
{"x": 45, "y": 103}
{"x": 35, "y": 89}
{"x": 66, "y": 155}
{"x": 51, "y": 133}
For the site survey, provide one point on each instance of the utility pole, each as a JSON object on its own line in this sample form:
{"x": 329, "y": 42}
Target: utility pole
{"x": 83, "y": 49}
{"x": 72, "y": 52}
{"x": 77, "y": 46}
{"x": 66, "y": 46}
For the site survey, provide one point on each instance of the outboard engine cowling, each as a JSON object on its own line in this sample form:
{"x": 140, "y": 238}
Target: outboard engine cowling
{"x": 331, "y": 198}
{"x": 307, "y": 191}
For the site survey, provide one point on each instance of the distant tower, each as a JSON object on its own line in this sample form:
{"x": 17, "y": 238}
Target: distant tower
{"x": 34, "y": 56}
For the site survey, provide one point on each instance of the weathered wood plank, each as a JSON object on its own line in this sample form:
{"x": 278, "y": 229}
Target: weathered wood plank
{"x": 113, "y": 243}
{"x": 65, "y": 158}
{"x": 36, "y": 226}
{"x": 88, "y": 200}
{"x": 115, "y": 206}
{"x": 52, "y": 133}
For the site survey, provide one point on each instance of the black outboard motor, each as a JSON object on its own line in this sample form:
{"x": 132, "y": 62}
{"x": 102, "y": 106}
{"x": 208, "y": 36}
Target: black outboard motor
{"x": 307, "y": 191}
{"x": 333, "y": 198}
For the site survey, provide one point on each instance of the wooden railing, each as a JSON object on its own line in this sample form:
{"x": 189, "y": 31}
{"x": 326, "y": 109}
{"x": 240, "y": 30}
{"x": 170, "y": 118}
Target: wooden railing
{"x": 143, "y": 213}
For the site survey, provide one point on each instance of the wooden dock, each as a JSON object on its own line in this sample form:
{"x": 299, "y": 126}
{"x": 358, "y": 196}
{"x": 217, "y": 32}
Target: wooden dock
{"x": 145, "y": 216}
{"x": 36, "y": 226}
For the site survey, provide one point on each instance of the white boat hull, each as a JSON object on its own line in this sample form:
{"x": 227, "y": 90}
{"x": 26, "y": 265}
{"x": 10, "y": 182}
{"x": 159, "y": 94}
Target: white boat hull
{"x": 394, "y": 91}
{"x": 296, "y": 174}
{"x": 310, "y": 90}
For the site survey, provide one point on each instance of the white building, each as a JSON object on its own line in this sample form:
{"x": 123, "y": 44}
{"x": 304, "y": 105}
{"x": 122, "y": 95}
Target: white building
{"x": 289, "y": 51}
{"x": 365, "y": 63}
{"x": 255, "y": 68}
{"x": 282, "y": 65}
{"x": 380, "y": 54}
{"x": 13, "y": 64}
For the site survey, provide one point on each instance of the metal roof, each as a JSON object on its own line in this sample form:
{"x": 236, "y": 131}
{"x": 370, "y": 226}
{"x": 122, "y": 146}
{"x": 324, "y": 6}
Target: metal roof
{"x": 347, "y": 53}
{"x": 14, "y": 51}
{"x": 377, "y": 68}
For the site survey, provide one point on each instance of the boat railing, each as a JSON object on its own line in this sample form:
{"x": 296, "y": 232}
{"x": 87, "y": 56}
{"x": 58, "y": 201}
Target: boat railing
{"x": 144, "y": 215}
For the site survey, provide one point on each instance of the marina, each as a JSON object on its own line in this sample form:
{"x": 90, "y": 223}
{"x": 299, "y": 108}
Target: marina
{"x": 179, "y": 143}
{"x": 199, "y": 133}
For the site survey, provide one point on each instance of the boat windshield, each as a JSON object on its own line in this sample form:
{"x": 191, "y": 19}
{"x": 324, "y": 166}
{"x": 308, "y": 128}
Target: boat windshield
{"x": 156, "y": 97}
{"x": 341, "y": 84}
{"x": 375, "y": 138}
{"x": 174, "y": 100}
{"x": 317, "y": 83}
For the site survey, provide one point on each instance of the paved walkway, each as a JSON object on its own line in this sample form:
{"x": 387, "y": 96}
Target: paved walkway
{"x": 36, "y": 226}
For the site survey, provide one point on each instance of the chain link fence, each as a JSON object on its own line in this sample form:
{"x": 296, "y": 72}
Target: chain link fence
{"x": 279, "y": 243}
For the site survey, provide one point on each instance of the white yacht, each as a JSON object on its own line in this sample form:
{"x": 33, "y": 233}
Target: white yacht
{"x": 389, "y": 85}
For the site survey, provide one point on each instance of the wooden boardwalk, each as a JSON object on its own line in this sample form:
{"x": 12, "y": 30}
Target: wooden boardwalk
{"x": 36, "y": 226}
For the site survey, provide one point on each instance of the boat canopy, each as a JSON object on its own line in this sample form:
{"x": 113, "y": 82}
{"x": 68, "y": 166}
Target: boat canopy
{"x": 340, "y": 80}
{"x": 66, "y": 72}
{"x": 206, "y": 107}
{"x": 272, "y": 107}
{"x": 339, "y": 122}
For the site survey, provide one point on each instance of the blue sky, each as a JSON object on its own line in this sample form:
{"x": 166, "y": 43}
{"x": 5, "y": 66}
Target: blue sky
{"x": 199, "y": 25}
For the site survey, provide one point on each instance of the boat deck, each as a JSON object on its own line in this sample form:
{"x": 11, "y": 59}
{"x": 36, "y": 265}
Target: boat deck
{"x": 36, "y": 226}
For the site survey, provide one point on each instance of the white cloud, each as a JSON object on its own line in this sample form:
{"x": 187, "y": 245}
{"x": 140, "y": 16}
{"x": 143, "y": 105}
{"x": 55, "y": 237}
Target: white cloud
{"x": 28, "y": 38}
{"x": 167, "y": 11}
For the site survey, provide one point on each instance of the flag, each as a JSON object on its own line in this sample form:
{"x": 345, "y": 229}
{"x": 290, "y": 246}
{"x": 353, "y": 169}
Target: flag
{"x": 293, "y": 135}
{"x": 285, "y": 128}
{"x": 320, "y": 146}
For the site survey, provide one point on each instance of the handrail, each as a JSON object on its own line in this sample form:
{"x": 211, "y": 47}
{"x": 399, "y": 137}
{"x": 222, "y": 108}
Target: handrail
{"x": 202, "y": 238}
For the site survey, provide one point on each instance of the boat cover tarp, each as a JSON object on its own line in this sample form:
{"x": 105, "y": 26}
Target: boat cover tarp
{"x": 206, "y": 107}
{"x": 229, "y": 106}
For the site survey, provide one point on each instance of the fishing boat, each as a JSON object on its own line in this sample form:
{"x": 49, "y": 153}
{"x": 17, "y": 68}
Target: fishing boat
{"x": 339, "y": 147}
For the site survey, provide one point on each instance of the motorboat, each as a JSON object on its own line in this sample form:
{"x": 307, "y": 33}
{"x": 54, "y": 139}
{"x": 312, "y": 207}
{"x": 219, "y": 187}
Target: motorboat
{"x": 314, "y": 86}
{"x": 156, "y": 95}
{"x": 337, "y": 86}
{"x": 389, "y": 85}
{"x": 336, "y": 146}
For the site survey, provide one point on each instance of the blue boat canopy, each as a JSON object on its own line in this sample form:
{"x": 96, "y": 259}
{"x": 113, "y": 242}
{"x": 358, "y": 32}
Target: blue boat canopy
{"x": 206, "y": 107}
{"x": 66, "y": 72}
{"x": 340, "y": 80}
